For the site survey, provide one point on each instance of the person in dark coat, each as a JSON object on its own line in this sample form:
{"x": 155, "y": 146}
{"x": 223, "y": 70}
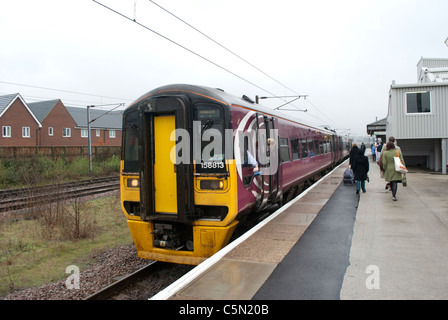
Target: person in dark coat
{"x": 360, "y": 169}
{"x": 353, "y": 154}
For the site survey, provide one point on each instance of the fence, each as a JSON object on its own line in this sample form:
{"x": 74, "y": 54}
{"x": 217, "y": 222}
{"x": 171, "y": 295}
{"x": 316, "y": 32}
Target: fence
{"x": 68, "y": 152}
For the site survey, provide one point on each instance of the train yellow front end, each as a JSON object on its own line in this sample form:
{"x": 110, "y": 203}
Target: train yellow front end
{"x": 179, "y": 196}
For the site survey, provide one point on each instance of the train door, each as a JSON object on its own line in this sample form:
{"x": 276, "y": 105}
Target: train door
{"x": 165, "y": 179}
{"x": 166, "y": 188}
{"x": 268, "y": 158}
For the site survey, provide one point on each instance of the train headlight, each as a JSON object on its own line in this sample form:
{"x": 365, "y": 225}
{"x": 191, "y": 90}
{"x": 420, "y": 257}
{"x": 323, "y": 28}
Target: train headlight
{"x": 133, "y": 183}
{"x": 212, "y": 184}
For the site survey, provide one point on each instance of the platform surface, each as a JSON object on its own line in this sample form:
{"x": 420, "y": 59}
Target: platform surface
{"x": 333, "y": 244}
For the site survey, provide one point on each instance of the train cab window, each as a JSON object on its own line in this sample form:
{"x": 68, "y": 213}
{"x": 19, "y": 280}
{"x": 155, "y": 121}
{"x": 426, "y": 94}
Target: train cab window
{"x": 284, "y": 150}
{"x": 295, "y": 149}
{"x": 304, "y": 148}
{"x": 311, "y": 147}
{"x": 130, "y": 140}
{"x": 211, "y": 126}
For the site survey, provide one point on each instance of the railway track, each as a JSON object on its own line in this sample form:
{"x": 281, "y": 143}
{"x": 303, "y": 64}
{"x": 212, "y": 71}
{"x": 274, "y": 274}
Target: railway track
{"x": 17, "y": 199}
{"x": 143, "y": 283}
{"x": 115, "y": 288}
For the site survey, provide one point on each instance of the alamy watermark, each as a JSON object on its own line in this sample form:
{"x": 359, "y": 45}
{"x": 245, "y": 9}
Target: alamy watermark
{"x": 373, "y": 280}
{"x": 208, "y": 147}
{"x": 72, "y": 281}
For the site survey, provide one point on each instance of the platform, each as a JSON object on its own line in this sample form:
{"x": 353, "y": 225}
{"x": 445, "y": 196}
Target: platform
{"x": 326, "y": 245}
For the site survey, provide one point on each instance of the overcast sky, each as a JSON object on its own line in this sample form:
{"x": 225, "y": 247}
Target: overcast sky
{"x": 342, "y": 54}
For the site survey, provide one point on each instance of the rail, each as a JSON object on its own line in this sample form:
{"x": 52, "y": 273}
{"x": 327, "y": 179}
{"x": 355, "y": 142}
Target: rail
{"x": 16, "y": 199}
{"x": 119, "y": 285}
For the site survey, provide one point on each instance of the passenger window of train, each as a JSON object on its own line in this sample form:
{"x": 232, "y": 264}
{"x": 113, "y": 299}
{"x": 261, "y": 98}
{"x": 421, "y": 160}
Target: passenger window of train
{"x": 311, "y": 147}
{"x": 321, "y": 147}
{"x": 284, "y": 150}
{"x": 295, "y": 149}
{"x": 304, "y": 149}
{"x": 316, "y": 146}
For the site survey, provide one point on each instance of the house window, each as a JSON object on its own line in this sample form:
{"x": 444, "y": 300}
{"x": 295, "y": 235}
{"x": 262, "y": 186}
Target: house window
{"x": 26, "y": 132}
{"x": 50, "y": 131}
{"x": 418, "y": 102}
{"x": 98, "y": 132}
{"x": 6, "y": 130}
{"x": 66, "y": 132}
{"x": 111, "y": 133}
{"x": 84, "y": 133}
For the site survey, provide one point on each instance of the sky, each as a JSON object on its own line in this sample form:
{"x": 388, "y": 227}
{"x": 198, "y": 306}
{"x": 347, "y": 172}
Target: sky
{"x": 343, "y": 55}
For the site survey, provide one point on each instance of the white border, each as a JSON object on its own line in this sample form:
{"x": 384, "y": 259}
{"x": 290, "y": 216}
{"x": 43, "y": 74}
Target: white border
{"x": 204, "y": 266}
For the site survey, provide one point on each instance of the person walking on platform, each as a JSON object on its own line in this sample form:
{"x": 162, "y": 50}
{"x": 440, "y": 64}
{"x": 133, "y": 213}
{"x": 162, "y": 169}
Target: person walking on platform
{"x": 360, "y": 169}
{"x": 390, "y": 174}
{"x": 353, "y": 153}
{"x": 373, "y": 147}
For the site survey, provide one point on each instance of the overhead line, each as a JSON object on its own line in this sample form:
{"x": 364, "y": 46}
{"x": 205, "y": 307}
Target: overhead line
{"x": 60, "y": 90}
{"x": 183, "y": 47}
{"x": 221, "y": 45}
{"x": 230, "y": 51}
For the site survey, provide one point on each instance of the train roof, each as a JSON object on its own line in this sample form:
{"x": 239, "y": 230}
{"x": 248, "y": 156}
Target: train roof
{"x": 225, "y": 98}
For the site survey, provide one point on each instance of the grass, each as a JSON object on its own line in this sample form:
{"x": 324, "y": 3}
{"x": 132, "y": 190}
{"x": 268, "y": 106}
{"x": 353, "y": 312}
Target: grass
{"x": 43, "y": 170}
{"x": 28, "y": 259}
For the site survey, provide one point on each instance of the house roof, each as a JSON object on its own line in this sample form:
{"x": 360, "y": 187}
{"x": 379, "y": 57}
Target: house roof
{"x": 111, "y": 120}
{"x": 7, "y": 100}
{"x": 42, "y": 108}
{"x": 98, "y": 118}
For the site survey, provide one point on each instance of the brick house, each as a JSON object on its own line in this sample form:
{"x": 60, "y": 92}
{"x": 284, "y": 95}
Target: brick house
{"x": 51, "y": 123}
{"x": 67, "y": 126}
{"x": 19, "y": 126}
{"x": 57, "y": 124}
{"x": 105, "y": 127}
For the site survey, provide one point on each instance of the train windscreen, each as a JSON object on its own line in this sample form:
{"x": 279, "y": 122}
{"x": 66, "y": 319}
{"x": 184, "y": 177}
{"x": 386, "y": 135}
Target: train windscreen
{"x": 209, "y": 129}
{"x": 130, "y": 148}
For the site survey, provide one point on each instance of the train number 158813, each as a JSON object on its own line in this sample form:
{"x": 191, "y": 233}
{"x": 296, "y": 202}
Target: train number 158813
{"x": 212, "y": 165}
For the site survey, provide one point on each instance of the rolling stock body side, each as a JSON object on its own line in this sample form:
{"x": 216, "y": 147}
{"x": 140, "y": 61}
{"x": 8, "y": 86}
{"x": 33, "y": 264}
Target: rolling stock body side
{"x": 186, "y": 209}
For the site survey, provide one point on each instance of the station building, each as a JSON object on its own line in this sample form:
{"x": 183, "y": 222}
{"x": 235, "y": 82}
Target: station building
{"x": 418, "y": 115}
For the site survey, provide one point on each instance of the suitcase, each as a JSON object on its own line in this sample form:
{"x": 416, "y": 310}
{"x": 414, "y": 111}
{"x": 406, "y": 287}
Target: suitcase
{"x": 349, "y": 176}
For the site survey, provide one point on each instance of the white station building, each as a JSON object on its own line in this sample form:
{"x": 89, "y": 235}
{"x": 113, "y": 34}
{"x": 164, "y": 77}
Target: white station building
{"x": 418, "y": 115}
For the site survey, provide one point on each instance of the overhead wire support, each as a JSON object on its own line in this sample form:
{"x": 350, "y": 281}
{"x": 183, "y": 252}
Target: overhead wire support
{"x": 89, "y": 139}
{"x": 219, "y": 44}
{"x": 181, "y": 46}
{"x": 284, "y": 97}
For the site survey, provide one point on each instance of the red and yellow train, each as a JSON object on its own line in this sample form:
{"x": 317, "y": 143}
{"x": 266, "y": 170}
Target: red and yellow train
{"x": 197, "y": 161}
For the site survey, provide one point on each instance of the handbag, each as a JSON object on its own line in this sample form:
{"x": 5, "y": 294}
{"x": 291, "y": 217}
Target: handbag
{"x": 404, "y": 180}
{"x": 399, "y": 166}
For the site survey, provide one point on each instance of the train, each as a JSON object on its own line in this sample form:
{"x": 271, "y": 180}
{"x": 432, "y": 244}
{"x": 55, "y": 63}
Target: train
{"x": 197, "y": 161}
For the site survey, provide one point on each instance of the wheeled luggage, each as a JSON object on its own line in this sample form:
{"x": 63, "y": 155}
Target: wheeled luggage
{"x": 349, "y": 176}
